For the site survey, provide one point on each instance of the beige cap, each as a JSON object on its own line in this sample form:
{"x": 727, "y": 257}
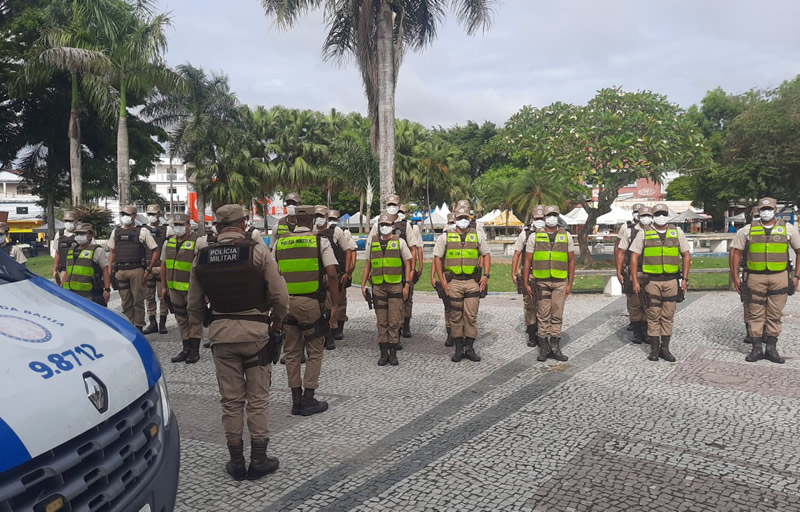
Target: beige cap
{"x": 292, "y": 197}
{"x": 333, "y": 214}
{"x": 229, "y": 214}
{"x": 661, "y": 208}
{"x": 129, "y": 209}
{"x": 154, "y": 209}
{"x": 69, "y": 215}
{"x": 551, "y": 208}
{"x": 755, "y": 212}
{"x": 386, "y": 218}
{"x": 84, "y": 227}
{"x": 321, "y": 210}
{"x": 181, "y": 218}
{"x": 403, "y": 208}
{"x": 451, "y": 217}
{"x": 393, "y": 199}
{"x": 3, "y": 227}
{"x": 646, "y": 210}
{"x": 305, "y": 209}
{"x": 538, "y": 212}
{"x": 461, "y": 211}
{"x": 767, "y": 202}
{"x": 465, "y": 203}
{"x": 636, "y": 207}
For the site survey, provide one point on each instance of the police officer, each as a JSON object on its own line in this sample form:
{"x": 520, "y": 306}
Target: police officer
{"x": 665, "y": 247}
{"x": 178, "y": 253}
{"x": 550, "y": 261}
{"x": 242, "y": 282}
{"x": 87, "y": 267}
{"x": 769, "y": 278}
{"x": 449, "y": 341}
{"x": 626, "y": 274}
{"x": 160, "y": 233}
{"x": 250, "y": 230}
{"x": 388, "y": 267}
{"x": 12, "y": 250}
{"x": 408, "y": 303}
{"x": 344, "y": 248}
{"x": 473, "y": 222}
{"x": 287, "y": 223}
{"x": 517, "y": 276}
{"x": 129, "y": 268}
{"x": 304, "y": 260}
{"x": 459, "y": 257}
{"x": 755, "y": 217}
{"x": 63, "y": 241}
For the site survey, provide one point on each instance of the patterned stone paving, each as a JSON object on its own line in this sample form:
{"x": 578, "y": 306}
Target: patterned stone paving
{"x": 607, "y": 430}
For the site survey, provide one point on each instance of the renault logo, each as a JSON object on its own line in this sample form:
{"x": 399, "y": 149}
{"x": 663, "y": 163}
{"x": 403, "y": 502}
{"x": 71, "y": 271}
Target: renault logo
{"x": 96, "y": 392}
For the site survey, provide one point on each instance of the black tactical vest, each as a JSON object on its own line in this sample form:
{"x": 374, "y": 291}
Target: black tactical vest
{"x": 64, "y": 245}
{"x": 528, "y": 233}
{"x": 341, "y": 256}
{"x": 400, "y": 229}
{"x": 128, "y": 250}
{"x": 160, "y": 236}
{"x": 230, "y": 277}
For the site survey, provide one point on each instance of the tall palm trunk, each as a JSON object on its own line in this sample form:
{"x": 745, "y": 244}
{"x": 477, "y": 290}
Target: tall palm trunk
{"x": 123, "y": 171}
{"x": 201, "y": 212}
{"x": 428, "y": 204}
{"x": 386, "y": 72}
{"x": 74, "y": 134}
{"x": 361, "y": 213}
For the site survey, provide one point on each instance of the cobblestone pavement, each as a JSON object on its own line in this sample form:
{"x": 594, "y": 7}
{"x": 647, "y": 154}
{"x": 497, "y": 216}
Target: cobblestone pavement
{"x": 608, "y": 430}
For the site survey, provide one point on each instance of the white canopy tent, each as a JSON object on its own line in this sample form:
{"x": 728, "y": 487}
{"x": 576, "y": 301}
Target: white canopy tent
{"x": 490, "y": 216}
{"x": 615, "y": 217}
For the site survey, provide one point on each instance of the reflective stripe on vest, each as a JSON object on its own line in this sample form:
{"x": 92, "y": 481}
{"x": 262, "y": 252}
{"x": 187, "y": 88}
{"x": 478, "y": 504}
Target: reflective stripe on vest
{"x": 386, "y": 266}
{"x": 178, "y": 262}
{"x": 768, "y": 253}
{"x": 461, "y": 257}
{"x": 298, "y": 261}
{"x": 550, "y": 261}
{"x": 80, "y": 271}
{"x": 661, "y": 257}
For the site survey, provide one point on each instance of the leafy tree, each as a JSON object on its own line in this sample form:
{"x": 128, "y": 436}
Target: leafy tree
{"x": 471, "y": 140}
{"x": 683, "y": 188}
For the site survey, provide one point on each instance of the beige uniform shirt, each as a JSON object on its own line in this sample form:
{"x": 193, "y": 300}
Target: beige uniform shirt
{"x": 411, "y": 235}
{"x": 441, "y": 244}
{"x": 144, "y": 236}
{"x": 740, "y": 240}
{"x": 531, "y": 247}
{"x": 622, "y": 232}
{"x": 625, "y": 236}
{"x": 343, "y": 239}
{"x": 238, "y": 331}
{"x": 520, "y": 242}
{"x": 16, "y": 253}
{"x": 637, "y": 245}
{"x": 418, "y": 236}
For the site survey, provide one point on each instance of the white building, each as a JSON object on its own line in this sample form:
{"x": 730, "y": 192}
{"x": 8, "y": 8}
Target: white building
{"x": 24, "y": 214}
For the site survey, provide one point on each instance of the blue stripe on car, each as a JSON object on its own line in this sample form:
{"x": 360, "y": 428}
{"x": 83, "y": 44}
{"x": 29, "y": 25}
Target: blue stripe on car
{"x": 116, "y": 322}
{"x": 12, "y": 451}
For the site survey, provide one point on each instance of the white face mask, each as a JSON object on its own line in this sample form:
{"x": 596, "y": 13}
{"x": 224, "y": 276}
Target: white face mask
{"x": 392, "y": 210}
{"x": 386, "y": 230}
{"x": 179, "y": 230}
{"x": 462, "y": 223}
{"x": 551, "y": 221}
{"x": 69, "y": 226}
{"x": 152, "y": 219}
{"x": 320, "y": 221}
{"x": 81, "y": 239}
{"x": 451, "y": 226}
{"x": 291, "y": 209}
{"x": 767, "y": 215}
{"x": 635, "y": 217}
{"x": 538, "y": 224}
{"x": 332, "y": 223}
{"x": 660, "y": 220}
{"x": 126, "y": 220}
{"x": 646, "y": 220}
{"x": 401, "y": 216}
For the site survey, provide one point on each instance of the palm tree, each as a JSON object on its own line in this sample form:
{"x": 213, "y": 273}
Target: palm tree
{"x": 376, "y": 33}
{"x": 536, "y": 187}
{"x": 354, "y": 163}
{"x": 439, "y": 162}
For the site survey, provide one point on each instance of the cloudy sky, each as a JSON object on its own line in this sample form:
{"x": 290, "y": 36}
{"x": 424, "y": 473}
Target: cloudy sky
{"x": 536, "y": 52}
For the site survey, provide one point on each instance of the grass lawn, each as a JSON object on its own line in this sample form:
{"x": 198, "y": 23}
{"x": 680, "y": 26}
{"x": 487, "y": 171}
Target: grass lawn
{"x": 42, "y": 265}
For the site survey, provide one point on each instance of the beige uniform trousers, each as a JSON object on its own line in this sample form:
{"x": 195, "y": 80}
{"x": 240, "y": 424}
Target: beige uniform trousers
{"x": 464, "y": 302}
{"x": 529, "y": 306}
{"x": 764, "y": 310}
{"x": 388, "y": 300}
{"x": 408, "y": 305}
{"x": 243, "y": 385}
{"x": 660, "y": 313}
{"x": 303, "y": 331}
{"x": 635, "y": 310}
{"x": 131, "y": 292}
{"x": 152, "y": 295}
{"x": 341, "y": 315}
{"x": 187, "y": 329}
{"x": 551, "y": 294}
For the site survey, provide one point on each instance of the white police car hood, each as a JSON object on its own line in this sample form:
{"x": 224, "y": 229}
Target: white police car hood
{"x": 40, "y": 324}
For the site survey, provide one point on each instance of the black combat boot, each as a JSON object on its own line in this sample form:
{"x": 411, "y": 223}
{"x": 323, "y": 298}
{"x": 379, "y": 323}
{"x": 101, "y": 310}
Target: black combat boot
{"x": 771, "y": 354}
{"x": 339, "y": 332}
{"x": 665, "y": 354}
{"x": 152, "y": 326}
{"x": 260, "y": 463}
{"x": 407, "y": 328}
{"x": 630, "y": 327}
{"x": 297, "y": 397}
{"x": 194, "y": 351}
{"x": 236, "y": 466}
{"x": 162, "y": 324}
{"x": 393, "y": 355}
{"x": 329, "y": 343}
{"x": 310, "y": 405}
{"x": 181, "y": 357}
{"x": 399, "y": 346}
{"x": 544, "y": 348}
{"x": 555, "y": 349}
{"x": 639, "y": 334}
{"x": 747, "y": 338}
{"x": 384, "y": 354}
{"x": 449, "y": 342}
{"x": 655, "y": 345}
{"x": 533, "y": 340}
{"x": 469, "y": 350}
{"x": 459, "y": 355}
{"x": 207, "y": 344}
{"x": 756, "y": 352}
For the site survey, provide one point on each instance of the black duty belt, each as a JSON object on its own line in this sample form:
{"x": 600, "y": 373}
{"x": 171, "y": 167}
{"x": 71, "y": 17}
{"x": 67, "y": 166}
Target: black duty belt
{"x": 662, "y": 277}
{"x": 128, "y": 266}
{"x": 233, "y": 316}
{"x": 464, "y": 277}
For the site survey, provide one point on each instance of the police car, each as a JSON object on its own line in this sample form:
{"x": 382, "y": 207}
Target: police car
{"x": 85, "y": 419}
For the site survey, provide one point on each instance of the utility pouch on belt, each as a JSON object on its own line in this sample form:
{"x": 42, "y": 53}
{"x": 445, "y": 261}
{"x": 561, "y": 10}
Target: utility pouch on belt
{"x": 440, "y": 291}
{"x": 448, "y": 276}
{"x": 485, "y": 291}
{"x": 272, "y": 350}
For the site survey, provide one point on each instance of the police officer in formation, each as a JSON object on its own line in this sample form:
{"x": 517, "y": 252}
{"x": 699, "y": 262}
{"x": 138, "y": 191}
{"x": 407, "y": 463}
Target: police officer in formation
{"x": 770, "y": 278}
{"x": 160, "y": 232}
{"x": 408, "y": 303}
{"x": 755, "y": 216}
{"x": 177, "y": 255}
{"x": 287, "y": 223}
{"x": 626, "y": 274}
{"x": 517, "y": 275}
{"x": 87, "y": 272}
{"x": 250, "y": 230}
{"x": 306, "y": 262}
{"x": 550, "y": 265}
{"x": 249, "y": 302}
{"x": 449, "y": 341}
{"x": 129, "y": 267}
{"x": 12, "y": 250}
{"x": 389, "y": 270}
{"x": 459, "y": 257}
{"x": 662, "y": 251}
{"x": 63, "y": 241}
{"x": 344, "y": 248}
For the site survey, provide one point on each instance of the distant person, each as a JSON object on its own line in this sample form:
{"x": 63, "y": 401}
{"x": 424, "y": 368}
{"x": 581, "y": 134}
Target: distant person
{"x": 11, "y": 250}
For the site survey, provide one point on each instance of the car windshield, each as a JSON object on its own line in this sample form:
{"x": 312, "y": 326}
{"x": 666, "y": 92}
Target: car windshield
{"x": 11, "y": 271}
